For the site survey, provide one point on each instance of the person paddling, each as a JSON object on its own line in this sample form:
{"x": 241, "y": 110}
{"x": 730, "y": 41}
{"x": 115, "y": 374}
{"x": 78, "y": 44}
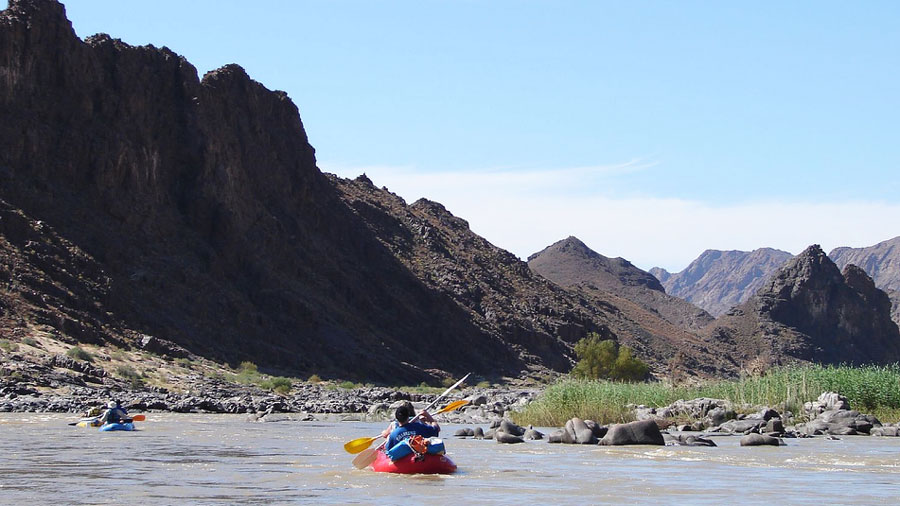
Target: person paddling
{"x": 400, "y": 433}
{"x": 113, "y": 414}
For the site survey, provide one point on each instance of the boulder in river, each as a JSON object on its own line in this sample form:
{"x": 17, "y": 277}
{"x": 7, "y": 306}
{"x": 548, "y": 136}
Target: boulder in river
{"x": 760, "y": 440}
{"x": 504, "y": 437}
{"x": 885, "y": 431}
{"x": 642, "y": 432}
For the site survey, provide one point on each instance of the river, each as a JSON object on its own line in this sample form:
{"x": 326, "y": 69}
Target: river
{"x": 223, "y": 459}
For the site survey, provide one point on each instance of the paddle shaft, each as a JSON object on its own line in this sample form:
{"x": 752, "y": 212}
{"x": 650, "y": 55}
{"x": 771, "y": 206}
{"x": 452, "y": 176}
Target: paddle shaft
{"x": 458, "y": 383}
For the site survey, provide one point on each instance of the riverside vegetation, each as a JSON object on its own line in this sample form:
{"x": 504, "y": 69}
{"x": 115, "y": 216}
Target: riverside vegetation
{"x": 875, "y": 389}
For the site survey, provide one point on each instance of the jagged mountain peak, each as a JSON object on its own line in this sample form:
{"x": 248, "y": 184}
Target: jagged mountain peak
{"x": 837, "y": 317}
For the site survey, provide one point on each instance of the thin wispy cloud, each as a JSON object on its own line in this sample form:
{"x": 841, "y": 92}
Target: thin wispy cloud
{"x": 524, "y": 212}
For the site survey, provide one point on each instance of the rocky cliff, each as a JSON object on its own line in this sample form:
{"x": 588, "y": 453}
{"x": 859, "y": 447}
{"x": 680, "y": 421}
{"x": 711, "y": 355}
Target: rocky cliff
{"x": 719, "y": 280}
{"x": 810, "y": 310}
{"x": 141, "y": 200}
{"x": 506, "y": 298}
{"x": 881, "y": 262}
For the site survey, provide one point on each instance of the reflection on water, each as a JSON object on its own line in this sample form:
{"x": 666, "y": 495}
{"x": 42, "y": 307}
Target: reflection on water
{"x": 210, "y": 459}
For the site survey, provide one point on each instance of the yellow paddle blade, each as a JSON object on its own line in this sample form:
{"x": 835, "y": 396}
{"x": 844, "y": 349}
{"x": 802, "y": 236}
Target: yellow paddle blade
{"x": 453, "y": 406}
{"x": 360, "y": 444}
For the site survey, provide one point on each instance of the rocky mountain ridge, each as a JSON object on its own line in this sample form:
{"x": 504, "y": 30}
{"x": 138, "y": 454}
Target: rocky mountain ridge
{"x": 881, "y": 261}
{"x": 572, "y": 265}
{"x": 498, "y": 288}
{"x": 140, "y": 201}
{"x": 719, "y": 280}
{"x": 810, "y": 310}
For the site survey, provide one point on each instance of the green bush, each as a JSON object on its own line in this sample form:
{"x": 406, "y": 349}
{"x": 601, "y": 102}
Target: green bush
{"x": 31, "y": 342}
{"x": 79, "y": 354}
{"x": 278, "y": 384}
{"x": 248, "y": 367}
{"x": 347, "y": 385}
{"x": 314, "y": 379}
{"x": 8, "y": 346}
{"x": 605, "y": 359}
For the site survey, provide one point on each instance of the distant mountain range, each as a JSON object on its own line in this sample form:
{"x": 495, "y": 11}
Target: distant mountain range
{"x": 806, "y": 310}
{"x": 720, "y": 280}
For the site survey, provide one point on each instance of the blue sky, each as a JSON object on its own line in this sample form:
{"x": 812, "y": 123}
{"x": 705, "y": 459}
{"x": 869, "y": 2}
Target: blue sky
{"x": 650, "y": 130}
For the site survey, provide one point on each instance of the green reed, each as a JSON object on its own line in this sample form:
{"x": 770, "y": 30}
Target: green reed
{"x": 871, "y": 389}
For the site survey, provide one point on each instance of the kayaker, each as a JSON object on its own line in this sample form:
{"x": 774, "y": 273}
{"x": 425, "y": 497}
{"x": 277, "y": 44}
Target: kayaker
{"x": 425, "y": 426}
{"x": 113, "y": 414}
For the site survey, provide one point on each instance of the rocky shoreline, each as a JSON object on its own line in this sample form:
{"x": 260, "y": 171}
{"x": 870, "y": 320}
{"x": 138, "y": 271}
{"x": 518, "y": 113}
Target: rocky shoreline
{"x": 51, "y": 387}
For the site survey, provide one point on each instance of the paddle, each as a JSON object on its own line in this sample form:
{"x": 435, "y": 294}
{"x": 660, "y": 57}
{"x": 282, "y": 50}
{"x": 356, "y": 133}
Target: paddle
{"x": 365, "y": 458}
{"x": 360, "y": 444}
{"x": 92, "y": 422}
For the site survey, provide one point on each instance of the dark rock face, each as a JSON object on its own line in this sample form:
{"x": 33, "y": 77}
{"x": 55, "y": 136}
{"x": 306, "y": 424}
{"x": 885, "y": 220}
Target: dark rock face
{"x": 846, "y": 317}
{"x": 881, "y": 262}
{"x": 505, "y": 297}
{"x": 810, "y": 311}
{"x": 139, "y": 200}
{"x": 719, "y": 280}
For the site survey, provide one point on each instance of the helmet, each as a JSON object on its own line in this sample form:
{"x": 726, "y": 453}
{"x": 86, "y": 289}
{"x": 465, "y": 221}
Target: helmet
{"x": 111, "y": 404}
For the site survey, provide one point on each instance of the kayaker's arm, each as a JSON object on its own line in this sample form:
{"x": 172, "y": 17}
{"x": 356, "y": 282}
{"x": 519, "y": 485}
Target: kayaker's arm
{"x": 428, "y": 419}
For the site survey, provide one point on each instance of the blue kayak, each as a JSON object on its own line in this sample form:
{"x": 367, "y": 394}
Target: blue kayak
{"x": 116, "y": 426}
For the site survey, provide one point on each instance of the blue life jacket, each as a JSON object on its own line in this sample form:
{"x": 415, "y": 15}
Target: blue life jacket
{"x": 402, "y": 449}
{"x": 409, "y": 430}
{"x": 115, "y": 415}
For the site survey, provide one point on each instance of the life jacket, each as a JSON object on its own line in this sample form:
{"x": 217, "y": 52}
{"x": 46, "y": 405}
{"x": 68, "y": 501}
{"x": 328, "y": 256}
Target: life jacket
{"x": 115, "y": 416}
{"x": 418, "y": 445}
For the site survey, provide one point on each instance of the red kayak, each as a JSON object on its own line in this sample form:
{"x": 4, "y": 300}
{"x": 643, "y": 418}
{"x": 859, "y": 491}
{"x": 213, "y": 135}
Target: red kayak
{"x": 432, "y": 464}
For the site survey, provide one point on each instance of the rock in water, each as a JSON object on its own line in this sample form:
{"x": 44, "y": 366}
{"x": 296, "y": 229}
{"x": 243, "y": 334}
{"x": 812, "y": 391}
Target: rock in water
{"x": 643, "y": 432}
{"x": 760, "y": 440}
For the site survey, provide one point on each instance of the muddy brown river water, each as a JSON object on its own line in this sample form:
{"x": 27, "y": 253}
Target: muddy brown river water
{"x": 223, "y": 459}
